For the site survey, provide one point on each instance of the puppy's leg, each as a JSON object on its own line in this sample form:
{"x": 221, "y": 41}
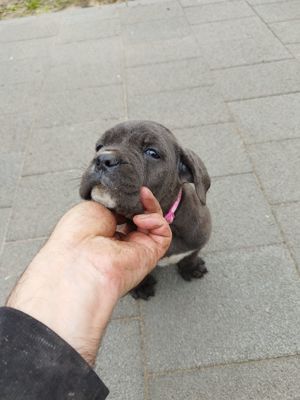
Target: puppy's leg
{"x": 191, "y": 267}
{"x": 145, "y": 289}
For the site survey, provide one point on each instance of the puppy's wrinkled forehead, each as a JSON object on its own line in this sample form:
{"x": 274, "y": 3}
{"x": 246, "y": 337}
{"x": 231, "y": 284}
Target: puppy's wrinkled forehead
{"x": 139, "y": 133}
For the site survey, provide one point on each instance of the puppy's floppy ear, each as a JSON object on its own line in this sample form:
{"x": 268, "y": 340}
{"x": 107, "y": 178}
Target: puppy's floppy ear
{"x": 192, "y": 169}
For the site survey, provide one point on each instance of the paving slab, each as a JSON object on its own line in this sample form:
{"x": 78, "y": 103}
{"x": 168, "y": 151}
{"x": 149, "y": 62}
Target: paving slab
{"x": 278, "y": 166}
{"x": 80, "y": 105}
{"x": 241, "y": 215}
{"x": 219, "y": 146}
{"x": 237, "y": 29}
{"x": 29, "y": 28}
{"x": 21, "y": 71}
{"x": 264, "y": 380}
{"x": 294, "y": 49}
{"x": 35, "y": 48}
{"x": 127, "y": 307}
{"x": 281, "y": 11}
{"x": 10, "y": 167}
{"x": 168, "y": 76}
{"x": 166, "y": 50}
{"x": 82, "y": 30}
{"x": 180, "y": 108}
{"x": 218, "y": 12}
{"x": 268, "y": 118}
{"x": 119, "y": 363}
{"x": 98, "y": 12}
{"x": 39, "y": 203}
{"x": 15, "y": 258}
{"x": 259, "y": 80}
{"x": 92, "y": 52}
{"x": 63, "y": 147}
{"x": 18, "y": 98}
{"x": 247, "y": 307}
{"x": 164, "y": 10}
{"x": 156, "y": 30}
{"x": 287, "y": 32}
{"x": 288, "y": 216}
{"x": 80, "y": 76}
{"x": 14, "y": 130}
{"x": 238, "y": 42}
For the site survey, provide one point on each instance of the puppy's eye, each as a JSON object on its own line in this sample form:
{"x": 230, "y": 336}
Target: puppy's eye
{"x": 152, "y": 153}
{"x": 98, "y": 147}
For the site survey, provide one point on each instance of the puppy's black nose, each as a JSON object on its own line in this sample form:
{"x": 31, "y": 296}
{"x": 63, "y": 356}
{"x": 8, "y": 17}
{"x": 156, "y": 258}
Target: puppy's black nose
{"x": 107, "y": 160}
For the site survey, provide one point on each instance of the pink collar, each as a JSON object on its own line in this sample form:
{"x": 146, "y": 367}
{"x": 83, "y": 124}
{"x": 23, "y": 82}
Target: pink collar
{"x": 169, "y": 217}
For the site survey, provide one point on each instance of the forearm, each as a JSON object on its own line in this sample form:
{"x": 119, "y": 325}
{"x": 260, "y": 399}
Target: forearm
{"x": 53, "y": 290}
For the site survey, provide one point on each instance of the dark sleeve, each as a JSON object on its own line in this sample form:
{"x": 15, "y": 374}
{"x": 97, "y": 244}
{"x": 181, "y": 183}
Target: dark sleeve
{"x": 35, "y": 363}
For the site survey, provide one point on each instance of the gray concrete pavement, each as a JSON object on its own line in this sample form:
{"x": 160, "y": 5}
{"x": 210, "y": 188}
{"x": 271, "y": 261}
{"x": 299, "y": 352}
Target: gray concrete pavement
{"x": 225, "y": 77}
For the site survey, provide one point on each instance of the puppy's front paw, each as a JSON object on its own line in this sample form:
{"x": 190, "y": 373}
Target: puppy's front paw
{"x": 192, "y": 270}
{"x": 145, "y": 289}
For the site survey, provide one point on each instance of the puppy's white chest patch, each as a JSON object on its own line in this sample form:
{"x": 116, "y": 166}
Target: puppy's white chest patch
{"x": 174, "y": 259}
{"x": 100, "y": 195}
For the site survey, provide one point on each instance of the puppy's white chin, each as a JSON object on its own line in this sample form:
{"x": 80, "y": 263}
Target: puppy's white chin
{"x": 102, "y": 196}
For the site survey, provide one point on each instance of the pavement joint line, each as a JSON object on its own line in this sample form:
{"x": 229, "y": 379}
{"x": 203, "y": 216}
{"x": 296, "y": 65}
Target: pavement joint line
{"x": 126, "y": 318}
{"x": 287, "y": 202}
{"x": 205, "y": 124}
{"x": 171, "y": 372}
{"x": 252, "y": 64}
{"x": 238, "y": 249}
{"x": 267, "y": 3}
{"x": 269, "y": 28}
{"x": 274, "y": 141}
{"x": 288, "y": 43}
{"x": 281, "y": 20}
{"x": 177, "y": 89}
{"x": 5, "y": 229}
{"x": 71, "y": 124}
{"x": 90, "y": 39}
{"x": 262, "y": 96}
{"x": 250, "y": 172}
{"x": 204, "y": 4}
{"x": 25, "y": 240}
{"x": 143, "y": 352}
{"x": 117, "y": 84}
{"x": 29, "y": 39}
{"x": 165, "y": 62}
{"x": 150, "y": 21}
{"x": 220, "y": 20}
{"x": 53, "y": 172}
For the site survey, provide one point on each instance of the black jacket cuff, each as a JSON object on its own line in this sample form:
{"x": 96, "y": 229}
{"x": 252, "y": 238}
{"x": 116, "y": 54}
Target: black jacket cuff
{"x": 38, "y": 364}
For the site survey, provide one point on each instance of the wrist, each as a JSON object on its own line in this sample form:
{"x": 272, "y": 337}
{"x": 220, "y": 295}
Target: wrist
{"x": 65, "y": 292}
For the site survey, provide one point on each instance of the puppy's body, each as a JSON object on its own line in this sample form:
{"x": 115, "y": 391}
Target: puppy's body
{"x": 144, "y": 153}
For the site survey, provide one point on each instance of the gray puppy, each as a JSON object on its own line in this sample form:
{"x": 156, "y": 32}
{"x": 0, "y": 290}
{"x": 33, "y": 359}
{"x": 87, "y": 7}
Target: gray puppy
{"x": 144, "y": 153}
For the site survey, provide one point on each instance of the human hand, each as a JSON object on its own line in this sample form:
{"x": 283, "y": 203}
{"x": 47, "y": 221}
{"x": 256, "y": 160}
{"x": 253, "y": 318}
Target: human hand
{"x": 76, "y": 279}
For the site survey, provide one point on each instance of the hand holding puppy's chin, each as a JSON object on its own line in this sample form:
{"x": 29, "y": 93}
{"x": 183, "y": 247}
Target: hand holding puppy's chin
{"x": 74, "y": 282}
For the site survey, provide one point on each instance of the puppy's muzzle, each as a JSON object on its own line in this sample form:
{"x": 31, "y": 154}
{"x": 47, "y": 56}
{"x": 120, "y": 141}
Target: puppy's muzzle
{"x": 107, "y": 161}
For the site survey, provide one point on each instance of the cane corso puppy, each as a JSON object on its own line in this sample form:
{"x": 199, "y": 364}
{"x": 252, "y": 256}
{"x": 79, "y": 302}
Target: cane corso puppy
{"x": 144, "y": 153}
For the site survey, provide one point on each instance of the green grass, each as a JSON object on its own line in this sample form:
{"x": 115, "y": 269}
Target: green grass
{"x": 20, "y": 8}
{"x": 32, "y": 4}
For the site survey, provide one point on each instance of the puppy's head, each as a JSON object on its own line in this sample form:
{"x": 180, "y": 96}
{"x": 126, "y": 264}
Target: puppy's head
{"x": 140, "y": 153}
